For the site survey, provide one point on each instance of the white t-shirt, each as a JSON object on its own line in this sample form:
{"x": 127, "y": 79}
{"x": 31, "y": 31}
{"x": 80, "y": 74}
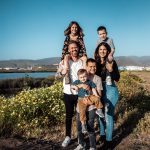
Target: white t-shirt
{"x": 73, "y": 69}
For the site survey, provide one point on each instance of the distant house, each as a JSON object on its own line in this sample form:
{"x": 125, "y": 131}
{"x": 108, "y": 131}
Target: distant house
{"x": 147, "y": 68}
{"x": 10, "y": 68}
{"x": 134, "y": 68}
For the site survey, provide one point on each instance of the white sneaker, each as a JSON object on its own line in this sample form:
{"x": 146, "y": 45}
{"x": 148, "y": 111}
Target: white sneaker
{"x": 66, "y": 142}
{"x": 92, "y": 148}
{"x": 79, "y": 147}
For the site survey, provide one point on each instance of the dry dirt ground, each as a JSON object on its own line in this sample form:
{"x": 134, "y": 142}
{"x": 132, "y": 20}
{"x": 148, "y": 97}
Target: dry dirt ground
{"x": 145, "y": 76}
{"x": 123, "y": 138}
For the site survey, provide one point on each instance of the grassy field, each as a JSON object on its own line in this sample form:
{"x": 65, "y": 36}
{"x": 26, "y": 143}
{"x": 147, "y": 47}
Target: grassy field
{"x": 132, "y": 121}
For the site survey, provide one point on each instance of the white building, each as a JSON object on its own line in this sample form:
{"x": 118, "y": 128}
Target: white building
{"x": 134, "y": 68}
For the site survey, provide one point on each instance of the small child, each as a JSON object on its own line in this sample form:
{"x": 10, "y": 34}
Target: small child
{"x": 102, "y": 32}
{"x": 91, "y": 96}
{"x": 73, "y": 33}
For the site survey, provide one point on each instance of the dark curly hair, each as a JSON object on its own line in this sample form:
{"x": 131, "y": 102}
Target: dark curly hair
{"x": 68, "y": 30}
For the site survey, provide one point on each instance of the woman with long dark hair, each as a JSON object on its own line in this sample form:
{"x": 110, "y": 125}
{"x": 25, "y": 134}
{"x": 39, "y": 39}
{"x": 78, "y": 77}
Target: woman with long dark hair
{"x": 110, "y": 92}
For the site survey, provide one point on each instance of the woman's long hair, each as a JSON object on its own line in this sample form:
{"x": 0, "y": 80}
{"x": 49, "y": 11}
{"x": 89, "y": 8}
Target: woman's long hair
{"x": 96, "y": 53}
{"x": 68, "y": 30}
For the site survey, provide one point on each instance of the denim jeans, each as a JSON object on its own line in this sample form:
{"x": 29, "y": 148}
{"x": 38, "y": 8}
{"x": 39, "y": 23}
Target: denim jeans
{"x": 109, "y": 97}
{"x": 90, "y": 127}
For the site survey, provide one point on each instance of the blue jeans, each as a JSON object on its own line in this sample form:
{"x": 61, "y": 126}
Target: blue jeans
{"x": 90, "y": 127}
{"x": 109, "y": 97}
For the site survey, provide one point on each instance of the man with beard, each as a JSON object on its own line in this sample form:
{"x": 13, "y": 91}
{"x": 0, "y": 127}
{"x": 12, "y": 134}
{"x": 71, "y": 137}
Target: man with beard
{"x": 70, "y": 99}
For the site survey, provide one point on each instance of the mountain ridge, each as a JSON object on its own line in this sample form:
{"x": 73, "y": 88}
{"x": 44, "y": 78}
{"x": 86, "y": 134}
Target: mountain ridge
{"x": 121, "y": 61}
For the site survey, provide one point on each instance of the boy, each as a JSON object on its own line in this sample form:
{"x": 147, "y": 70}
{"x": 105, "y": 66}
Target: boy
{"x": 91, "y": 96}
{"x": 102, "y": 32}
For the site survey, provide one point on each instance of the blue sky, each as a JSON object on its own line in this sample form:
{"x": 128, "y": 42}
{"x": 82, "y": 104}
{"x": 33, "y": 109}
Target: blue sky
{"x": 34, "y": 29}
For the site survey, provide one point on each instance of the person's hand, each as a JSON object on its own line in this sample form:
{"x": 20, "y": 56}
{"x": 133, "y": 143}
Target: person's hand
{"x": 109, "y": 66}
{"x": 85, "y": 86}
{"x": 84, "y": 58}
{"x": 110, "y": 58}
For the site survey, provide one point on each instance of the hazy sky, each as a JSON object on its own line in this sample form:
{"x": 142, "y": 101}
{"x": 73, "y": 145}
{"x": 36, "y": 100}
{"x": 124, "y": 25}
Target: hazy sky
{"x": 34, "y": 29}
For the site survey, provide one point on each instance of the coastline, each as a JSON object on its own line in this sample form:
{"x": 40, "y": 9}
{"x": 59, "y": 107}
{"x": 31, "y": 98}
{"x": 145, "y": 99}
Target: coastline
{"x": 27, "y": 71}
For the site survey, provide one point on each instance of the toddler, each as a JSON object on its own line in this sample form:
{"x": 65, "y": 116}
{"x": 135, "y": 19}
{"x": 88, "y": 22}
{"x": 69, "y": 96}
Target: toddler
{"x": 91, "y": 97}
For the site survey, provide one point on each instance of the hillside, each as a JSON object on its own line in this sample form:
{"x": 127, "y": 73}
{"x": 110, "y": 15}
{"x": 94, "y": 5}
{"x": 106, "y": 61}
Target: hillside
{"x": 27, "y": 63}
{"x": 133, "y": 61}
{"x": 121, "y": 60}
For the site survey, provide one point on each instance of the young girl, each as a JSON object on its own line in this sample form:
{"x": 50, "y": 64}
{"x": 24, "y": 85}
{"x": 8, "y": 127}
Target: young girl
{"x": 73, "y": 33}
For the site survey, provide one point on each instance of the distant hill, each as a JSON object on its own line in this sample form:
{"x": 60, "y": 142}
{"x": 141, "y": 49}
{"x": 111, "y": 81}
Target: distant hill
{"x": 143, "y": 61}
{"x": 23, "y": 63}
{"x": 121, "y": 60}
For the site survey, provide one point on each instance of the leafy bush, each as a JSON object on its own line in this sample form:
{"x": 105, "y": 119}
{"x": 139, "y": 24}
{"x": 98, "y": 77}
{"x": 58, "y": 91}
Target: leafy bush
{"x": 31, "y": 110}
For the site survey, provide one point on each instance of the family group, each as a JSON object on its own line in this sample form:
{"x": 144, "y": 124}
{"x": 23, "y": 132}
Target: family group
{"x": 89, "y": 87}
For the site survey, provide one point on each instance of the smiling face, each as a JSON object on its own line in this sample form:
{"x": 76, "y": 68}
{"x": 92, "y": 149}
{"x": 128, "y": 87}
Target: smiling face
{"x": 102, "y": 34}
{"x": 91, "y": 67}
{"x": 83, "y": 77}
{"x": 74, "y": 29}
{"x": 73, "y": 49}
{"x": 102, "y": 51}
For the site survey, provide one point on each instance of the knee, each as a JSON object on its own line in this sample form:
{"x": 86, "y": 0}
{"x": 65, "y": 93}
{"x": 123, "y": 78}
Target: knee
{"x": 69, "y": 115}
{"x": 90, "y": 127}
{"x": 109, "y": 109}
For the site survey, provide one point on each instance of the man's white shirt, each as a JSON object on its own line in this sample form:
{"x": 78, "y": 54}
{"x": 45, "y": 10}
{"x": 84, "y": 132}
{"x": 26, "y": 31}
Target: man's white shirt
{"x": 73, "y": 69}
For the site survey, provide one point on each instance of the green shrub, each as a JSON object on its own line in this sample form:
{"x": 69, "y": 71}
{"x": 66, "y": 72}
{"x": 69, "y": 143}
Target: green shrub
{"x": 31, "y": 110}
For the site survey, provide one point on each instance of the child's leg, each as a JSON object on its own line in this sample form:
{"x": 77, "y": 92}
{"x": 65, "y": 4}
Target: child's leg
{"x": 66, "y": 64}
{"x": 98, "y": 105}
{"x": 82, "y": 111}
{"x": 59, "y": 71}
{"x": 96, "y": 101}
{"x": 66, "y": 69}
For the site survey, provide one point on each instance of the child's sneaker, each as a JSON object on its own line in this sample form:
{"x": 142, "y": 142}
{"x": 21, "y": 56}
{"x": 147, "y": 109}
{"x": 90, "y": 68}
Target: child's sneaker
{"x": 84, "y": 129}
{"x": 66, "y": 142}
{"x": 80, "y": 147}
{"x": 92, "y": 148}
{"x": 100, "y": 113}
